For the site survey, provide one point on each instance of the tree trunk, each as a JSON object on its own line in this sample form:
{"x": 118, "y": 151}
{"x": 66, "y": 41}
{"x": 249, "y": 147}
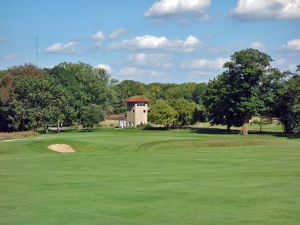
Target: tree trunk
{"x": 260, "y": 124}
{"x": 245, "y": 128}
{"x": 45, "y": 128}
{"x": 57, "y": 130}
{"x": 228, "y": 128}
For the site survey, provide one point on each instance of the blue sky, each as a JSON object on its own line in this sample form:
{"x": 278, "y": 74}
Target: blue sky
{"x": 150, "y": 40}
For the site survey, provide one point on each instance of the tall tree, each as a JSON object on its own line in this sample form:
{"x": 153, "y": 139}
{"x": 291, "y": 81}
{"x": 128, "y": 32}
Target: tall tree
{"x": 85, "y": 85}
{"x": 14, "y": 110}
{"x": 220, "y": 103}
{"x": 238, "y": 95}
{"x": 43, "y": 101}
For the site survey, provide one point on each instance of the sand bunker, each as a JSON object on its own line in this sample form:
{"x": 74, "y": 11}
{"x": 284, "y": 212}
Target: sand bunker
{"x": 62, "y": 148}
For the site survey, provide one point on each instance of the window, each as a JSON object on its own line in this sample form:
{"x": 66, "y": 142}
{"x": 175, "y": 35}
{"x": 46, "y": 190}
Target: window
{"x": 144, "y": 111}
{"x": 132, "y": 110}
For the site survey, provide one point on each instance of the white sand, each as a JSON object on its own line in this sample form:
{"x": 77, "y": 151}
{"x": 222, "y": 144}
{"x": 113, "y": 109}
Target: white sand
{"x": 62, "y": 148}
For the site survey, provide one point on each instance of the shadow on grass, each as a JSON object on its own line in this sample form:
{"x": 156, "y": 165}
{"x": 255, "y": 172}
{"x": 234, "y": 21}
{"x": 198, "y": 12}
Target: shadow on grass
{"x": 236, "y": 131}
{"x": 213, "y": 131}
{"x": 290, "y": 136}
{"x": 156, "y": 128}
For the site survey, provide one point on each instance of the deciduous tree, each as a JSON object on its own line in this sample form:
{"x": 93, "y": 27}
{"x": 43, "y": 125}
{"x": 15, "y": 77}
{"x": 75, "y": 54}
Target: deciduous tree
{"x": 185, "y": 110}
{"x": 235, "y": 96}
{"x": 162, "y": 113}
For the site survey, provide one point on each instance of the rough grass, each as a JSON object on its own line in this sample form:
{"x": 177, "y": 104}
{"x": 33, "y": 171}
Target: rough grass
{"x": 17, "y": 135}
{"x": 151, "y": 177}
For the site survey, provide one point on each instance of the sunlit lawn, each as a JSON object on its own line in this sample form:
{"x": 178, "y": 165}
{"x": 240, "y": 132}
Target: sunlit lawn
{"x": 151, "y": 177}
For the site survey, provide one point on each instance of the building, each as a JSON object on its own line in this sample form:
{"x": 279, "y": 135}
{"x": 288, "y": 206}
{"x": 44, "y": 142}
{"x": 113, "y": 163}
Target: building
{"x": 137, "y": 111}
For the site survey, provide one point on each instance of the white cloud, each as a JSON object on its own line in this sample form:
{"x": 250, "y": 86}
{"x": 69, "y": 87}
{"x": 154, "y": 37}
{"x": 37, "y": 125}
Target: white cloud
{"x": 158, "y": 60}
{"x": 116, "y": 33}
{"x": 284, "y": 64}
{"x": 132, "y": 72}
{"x": 99, "y": 36}
{"x": 169, "y": 8}
{"x": 205, "y": 64}
{"x": 106, "y": 67}
{"x": 68, "y": 48}
{"x": 258, "y": 45}
{"x": 291, "y": 45}
{"x": 203, "y": 69}
{"x": 266, "y": 9}
{"x": 149, "y": 42}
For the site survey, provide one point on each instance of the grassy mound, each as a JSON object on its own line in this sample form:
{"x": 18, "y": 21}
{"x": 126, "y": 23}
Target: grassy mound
{"x": 210, "y": 143}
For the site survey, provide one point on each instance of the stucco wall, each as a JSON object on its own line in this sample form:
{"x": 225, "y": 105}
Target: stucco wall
{"x": 137, "y": 113}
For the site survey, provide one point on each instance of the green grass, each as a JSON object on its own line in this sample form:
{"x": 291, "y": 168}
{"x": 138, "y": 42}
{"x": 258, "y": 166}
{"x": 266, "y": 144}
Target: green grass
{"x": 151, "y": 177}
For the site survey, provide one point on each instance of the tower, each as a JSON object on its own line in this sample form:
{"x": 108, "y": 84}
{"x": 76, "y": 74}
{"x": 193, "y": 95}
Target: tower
{"x": 137, "y": 111}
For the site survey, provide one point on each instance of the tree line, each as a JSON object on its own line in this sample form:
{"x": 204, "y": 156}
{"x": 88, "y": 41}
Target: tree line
{"x": 79, "y": 94}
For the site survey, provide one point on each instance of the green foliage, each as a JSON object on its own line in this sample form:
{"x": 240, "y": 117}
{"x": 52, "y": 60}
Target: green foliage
{"x": 31, "y": 97}
{"x": 155, "y": 90}
{"x": 91, "y": 115}
{"x": 127, "y": 89}
{"x": 235, "y": 96}
{"x": 272, "y": 83}
{"x": 39, "y": 101}
{"x": 220, "y": 104}
{"x": 162, "y": 113}
{"x": 184, "y": 91}
{"x": 185, "y": 110}
{"x": 27, "y": 95}
{"x": 199, "y": 114}
{"x": 287, "y": 107}
{"x": 199, "y": 93}
{"x": 85, "y": 86}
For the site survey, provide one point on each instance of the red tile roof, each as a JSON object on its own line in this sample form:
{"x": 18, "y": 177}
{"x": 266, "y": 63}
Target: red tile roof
{"x": 137, "y": 99}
